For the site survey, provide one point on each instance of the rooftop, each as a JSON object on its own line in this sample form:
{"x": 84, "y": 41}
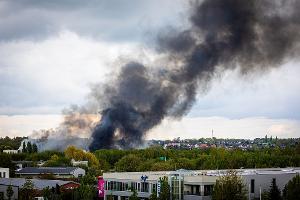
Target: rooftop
{"x": 153, "y": 175}
{"x": 46, "y": 170}
{"x": 38, "y": 183}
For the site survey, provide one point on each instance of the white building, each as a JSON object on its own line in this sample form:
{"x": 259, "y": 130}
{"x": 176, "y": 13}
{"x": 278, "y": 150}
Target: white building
{"x": 192, "y": 185}
{"x": 4, "y": 172}
{"x": 78, "y": 163}
{"x": 11, "y": 151}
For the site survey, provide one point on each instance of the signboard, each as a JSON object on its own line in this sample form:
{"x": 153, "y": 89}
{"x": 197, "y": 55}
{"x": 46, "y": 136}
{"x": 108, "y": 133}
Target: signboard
{"x": 144, "y": 178}
{"x": 101, "y": 187}
{"x": 158, "y": 188}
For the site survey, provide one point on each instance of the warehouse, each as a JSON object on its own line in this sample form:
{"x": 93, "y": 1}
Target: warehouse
{"x": 192, "y": 185}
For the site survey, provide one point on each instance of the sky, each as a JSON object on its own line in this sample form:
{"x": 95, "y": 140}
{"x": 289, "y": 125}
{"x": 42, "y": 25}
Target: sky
{"x": 51, "y": 52}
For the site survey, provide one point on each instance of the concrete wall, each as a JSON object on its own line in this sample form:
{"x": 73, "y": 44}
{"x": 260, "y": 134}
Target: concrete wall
{"x": 195, "y": 197}
{"x": 264, "y": 181}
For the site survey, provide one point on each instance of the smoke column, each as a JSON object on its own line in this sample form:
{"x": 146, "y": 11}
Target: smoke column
{"x": 251, "y": 36}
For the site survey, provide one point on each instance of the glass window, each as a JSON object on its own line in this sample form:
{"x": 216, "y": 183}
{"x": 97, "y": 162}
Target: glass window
{"x": 252, "y": 185}
{"x": 208, "y": 190}
{"x": 154, "y": 189}
{"x": 145, "y": 187}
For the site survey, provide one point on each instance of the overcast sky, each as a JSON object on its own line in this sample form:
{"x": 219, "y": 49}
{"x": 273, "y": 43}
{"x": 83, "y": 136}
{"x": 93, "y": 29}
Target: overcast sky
{"x": 52, "y": 51}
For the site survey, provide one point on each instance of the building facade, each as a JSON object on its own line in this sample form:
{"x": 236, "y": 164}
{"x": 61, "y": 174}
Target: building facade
{"x": 11, "y": 151}
{"x": 4, "y": 172}
{"x": 192, "y": 185}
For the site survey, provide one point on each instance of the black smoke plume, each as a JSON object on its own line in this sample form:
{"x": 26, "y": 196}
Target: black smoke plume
{"x": 249, "y": 35}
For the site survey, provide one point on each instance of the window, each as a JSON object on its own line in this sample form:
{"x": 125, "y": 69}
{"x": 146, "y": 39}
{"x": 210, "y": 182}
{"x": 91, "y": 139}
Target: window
{"x": 4, "y": 174}
{"x": 208, "y": 190}
{"x": 139, "y": 187}
{"x": 0, "y": 174}
{"x": 153, "y": 187}
{"x": 252, "y": 185}
{"x": 144, "y": 187}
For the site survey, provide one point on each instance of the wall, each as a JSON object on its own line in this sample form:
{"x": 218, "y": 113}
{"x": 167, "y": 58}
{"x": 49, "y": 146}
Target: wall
{"x": 4, "y": 172}
{"x": 264, "y": 181}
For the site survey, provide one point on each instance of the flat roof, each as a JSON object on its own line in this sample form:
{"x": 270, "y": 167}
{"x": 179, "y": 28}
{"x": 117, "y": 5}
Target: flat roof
{"x": 38, "y": 183}
{"x": 46, "y": 170}
{"x": 154, "y": 175}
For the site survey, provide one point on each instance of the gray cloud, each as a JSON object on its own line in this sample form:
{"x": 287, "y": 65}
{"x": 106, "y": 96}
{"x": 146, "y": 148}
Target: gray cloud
{"x": 106, "y": 19}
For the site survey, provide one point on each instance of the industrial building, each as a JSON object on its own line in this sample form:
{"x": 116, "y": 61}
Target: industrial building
{"x": 58, "y": 172}
{"x": 192, "y": 185}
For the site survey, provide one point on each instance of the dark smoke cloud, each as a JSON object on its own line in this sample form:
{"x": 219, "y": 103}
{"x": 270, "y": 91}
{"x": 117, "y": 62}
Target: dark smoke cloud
{"x": 251, "y": 35}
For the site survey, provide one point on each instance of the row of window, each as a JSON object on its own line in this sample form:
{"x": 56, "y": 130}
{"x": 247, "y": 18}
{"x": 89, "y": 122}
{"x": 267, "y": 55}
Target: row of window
{"x": 196, "y": 190}
{"x": 128, "y": 186}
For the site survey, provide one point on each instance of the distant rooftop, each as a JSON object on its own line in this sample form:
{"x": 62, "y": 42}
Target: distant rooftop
{"x": 46, "y": 170}
{"x": 38, "y": 183}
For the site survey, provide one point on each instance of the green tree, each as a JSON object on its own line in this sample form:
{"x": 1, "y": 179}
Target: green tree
{"x": 24, "y": 149}
{"x": 57, "y": 161}
{"x": 27, "y": 191}
{"x": 274, "y": 192}
{"x": 129, "y": 163}
{"x": 9, "y": 192}
{"x": 229, "y": 186}
{"x": 292, "y": 189}
{"x": 46, "y": 192}
{"x": 29, "y": 147}
{"x": 85, "y": 192}
{"x": 153, "y": 196}
{"x": 88, "y": 179}
{"x": 164, "y": 189}
{"x": 34, "y": 148}
{"x": 134, "y": 195}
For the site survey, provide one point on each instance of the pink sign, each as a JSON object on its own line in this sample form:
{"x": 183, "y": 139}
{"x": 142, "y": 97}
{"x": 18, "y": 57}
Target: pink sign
{"x": 101, "y": 184}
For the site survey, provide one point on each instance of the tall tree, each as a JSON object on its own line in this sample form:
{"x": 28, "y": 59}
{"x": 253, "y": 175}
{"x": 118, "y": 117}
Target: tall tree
{"x": 164, "y": 189}
{"x": 274, "y": 192}
{"x": 229, "y": 186}
{"x": 34, "y": 148}
{"x": 29, "y": 147}
{"x": 27, "y": 191}
{"x": 292, "y": 189}
{"x": 9, "y": 192}
{"x": 24, "y": 149}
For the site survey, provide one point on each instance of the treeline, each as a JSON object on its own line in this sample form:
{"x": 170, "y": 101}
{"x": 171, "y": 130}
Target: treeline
{"x": 29, "y": 148}
{"x": 8, "y": 143}
{"x": 157, "y": 159}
